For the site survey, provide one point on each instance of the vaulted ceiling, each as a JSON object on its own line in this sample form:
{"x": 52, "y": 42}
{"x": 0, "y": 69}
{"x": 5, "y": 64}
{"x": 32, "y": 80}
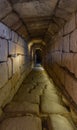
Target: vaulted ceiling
{"x": 36, "y": 18}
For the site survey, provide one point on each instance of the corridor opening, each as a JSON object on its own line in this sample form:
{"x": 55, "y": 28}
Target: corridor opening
{"x": 38, "y": 57}
{"x": 38, "y": 64}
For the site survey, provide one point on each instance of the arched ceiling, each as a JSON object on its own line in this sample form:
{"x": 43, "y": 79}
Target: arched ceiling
{"x": 36, "y": 18}
{"x": 36, "y": 42}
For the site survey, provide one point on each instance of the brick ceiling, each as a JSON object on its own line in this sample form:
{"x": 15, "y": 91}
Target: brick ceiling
{"x": 36, "y": 18}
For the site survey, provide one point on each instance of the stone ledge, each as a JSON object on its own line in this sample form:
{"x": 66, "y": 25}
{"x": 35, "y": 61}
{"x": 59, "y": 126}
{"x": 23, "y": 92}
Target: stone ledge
{"x": 10, "y": 88}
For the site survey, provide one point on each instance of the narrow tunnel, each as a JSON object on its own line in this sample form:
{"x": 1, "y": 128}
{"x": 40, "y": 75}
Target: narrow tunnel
{"x": 38, "y": 57}
{"x": 38, "y": 65}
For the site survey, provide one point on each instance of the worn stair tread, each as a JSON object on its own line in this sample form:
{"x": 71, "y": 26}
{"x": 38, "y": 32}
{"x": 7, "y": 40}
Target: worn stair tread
{"x": 51, "y": 98}
{"x": 36, "y": 97}
{"x": 58, "y": 122}
{"x": 22, "y": 123}
{"x": 27, "y": 97}
{"x": 22, "y": 107}
{"x": 48, "y": 106}
{"x": 37, "y": 91}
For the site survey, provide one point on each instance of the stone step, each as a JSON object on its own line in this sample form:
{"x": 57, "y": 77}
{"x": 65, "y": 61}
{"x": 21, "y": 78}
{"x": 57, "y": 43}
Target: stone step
{"x": 51, "y": 98}
{"x": 37, "y": 98}
{"x": 52, "y": 107}
{"x": 58, "y": 122}
{"x": 22, "y": 123}
{"x": 27, "y": 97}
{"x": 22, "y": 107}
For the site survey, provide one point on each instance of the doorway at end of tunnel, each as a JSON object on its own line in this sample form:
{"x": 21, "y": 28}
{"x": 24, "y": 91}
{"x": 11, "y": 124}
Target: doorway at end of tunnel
{"x": 38, "y": 57}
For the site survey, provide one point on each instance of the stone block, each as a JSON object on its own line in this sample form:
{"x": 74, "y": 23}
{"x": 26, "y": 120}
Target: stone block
{"x": 27, "y": 97}
{"x": 10, "y": 68}
{"x": 74, "y": 91}
{"x": 16, "y": 64}
{"x": 49, "y": 107}
{"x": 20, "y": 49}
{"x": 22, "y": 68}
{"x": 64, "y": 59}
{"x": 60, "y": 43}
{"x": 71, "y": 86}
{"x": 21, "y": 42}
{"x": 22, "y": 59}
{"x": 70, "y": 26}
{"x": 14, "y": 36}
{"x": 11, "y": 19}
{"x": 60, "y": 32}
{"x": 53, "y": 47}
{"x": 59, "y": 73}
{"x": 5, "y": 32}
{"x": 61, "y": 76}
{"x": 69, "y": 6}
{"x": 4, "y": 93}
{"x": 56, "y": 57}
{"x": 1, "y": 112}
{"x": 16, "y": 25}
{"x": 62, "y": 14}
{"x": 12, "y": 48}
{"x": 52, "y": 59}
{"x": 76, "y": 19}
{"x": 9, "y": 97}
{"x": 65, "y": 44}
{"x": 53, "y": 28}
{"x": 60, "y": 122}
{"x": 67, "y": 61}
{"x": 73, "y": 41}
{"x": 3, "y": 50}
{"x": 5, "y": 8}
{"x": 21, "y": 123}
{"x": 8, "y": 91}
{"x": 25, "y": 44}
{"x": 21, "y": 107}
{"x": 51, "y": 96}
{"x": 75, "y": 64}
{"x": 3, "y": 74}
{"x": 73, "y": 115}
{"x": 15, "y": 80}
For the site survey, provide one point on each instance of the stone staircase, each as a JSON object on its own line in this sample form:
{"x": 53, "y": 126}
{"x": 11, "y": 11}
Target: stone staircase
{"x": 38, "y": 105}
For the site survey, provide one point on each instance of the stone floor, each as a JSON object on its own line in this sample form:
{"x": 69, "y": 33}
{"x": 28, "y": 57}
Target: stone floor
{"x": 38, "y": 105}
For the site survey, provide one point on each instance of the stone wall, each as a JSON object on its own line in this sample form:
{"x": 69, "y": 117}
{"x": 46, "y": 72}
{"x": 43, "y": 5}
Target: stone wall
{"x": 14, "y": 63}
{"x": 61, "y": 58}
